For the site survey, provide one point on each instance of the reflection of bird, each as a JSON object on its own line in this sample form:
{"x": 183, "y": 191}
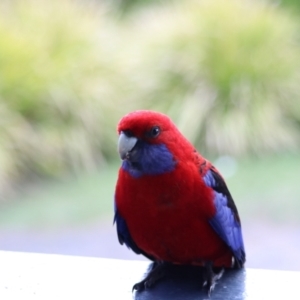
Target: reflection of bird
{"x": 171, "y": 204}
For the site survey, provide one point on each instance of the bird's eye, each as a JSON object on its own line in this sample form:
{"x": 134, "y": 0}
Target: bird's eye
{"x": 154, "y": 132}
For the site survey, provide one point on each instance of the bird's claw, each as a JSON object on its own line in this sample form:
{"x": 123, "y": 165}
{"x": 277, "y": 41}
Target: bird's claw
{"x": 211, "y": 279}
{"x": 139, "y": 286}
{"x": 156, "y": 272}
{"x": 143, "y": 285}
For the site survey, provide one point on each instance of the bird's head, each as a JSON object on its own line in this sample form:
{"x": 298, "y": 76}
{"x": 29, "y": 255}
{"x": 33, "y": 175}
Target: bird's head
{"x": 147, "y": 142}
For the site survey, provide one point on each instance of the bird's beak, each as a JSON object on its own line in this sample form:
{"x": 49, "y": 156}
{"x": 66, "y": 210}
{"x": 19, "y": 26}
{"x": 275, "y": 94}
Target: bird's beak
{"x": 125, "y": 145}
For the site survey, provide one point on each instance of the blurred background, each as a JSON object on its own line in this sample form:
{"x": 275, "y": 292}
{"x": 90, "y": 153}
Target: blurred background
{"x": 227, "y": 73}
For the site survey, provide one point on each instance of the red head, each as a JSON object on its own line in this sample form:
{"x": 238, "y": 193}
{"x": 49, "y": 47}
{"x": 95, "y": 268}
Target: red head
{"x": 152, "y": 139}
{"x": 146, "y": 125}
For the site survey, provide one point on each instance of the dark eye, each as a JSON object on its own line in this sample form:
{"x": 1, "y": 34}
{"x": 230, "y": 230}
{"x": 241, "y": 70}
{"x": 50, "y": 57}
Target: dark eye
{"x": 154, "y": 132}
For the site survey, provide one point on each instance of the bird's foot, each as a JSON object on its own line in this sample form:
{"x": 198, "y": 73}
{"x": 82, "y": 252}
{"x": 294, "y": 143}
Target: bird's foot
{"x": 211, "y": 278}
{"x": 155, "y": 273}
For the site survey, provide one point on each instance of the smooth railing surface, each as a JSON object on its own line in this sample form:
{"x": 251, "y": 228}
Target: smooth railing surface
{"x": 47, "y": 276}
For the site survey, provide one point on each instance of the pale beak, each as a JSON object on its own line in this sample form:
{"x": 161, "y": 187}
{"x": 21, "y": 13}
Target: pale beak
{"x": 125, "y": 145}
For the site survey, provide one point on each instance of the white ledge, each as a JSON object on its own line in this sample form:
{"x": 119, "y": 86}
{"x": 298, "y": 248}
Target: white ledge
{"x": 48, "y": 276}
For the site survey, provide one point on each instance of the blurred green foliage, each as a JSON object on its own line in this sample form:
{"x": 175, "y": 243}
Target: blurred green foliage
{"x": 126, "y": 7}
{"x": 57, "y": 88}
{"x": 292, "y": 5}
{"x": 227, "y": 72}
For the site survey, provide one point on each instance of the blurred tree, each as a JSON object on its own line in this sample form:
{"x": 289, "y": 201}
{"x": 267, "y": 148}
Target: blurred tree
{"x": 227, "y": 72}
{"x": 58, "y": 73}
{"x": 292, "y": 5}
{"x": 129, "y": 6}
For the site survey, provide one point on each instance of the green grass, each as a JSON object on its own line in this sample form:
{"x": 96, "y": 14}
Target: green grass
{"x": 60, "y": 204}
{"x": 268, "y": 188}
{"x": 265, "y": 188}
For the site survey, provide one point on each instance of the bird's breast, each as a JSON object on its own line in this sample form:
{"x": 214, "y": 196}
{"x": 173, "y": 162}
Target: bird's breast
{"x": 167, "y": 216}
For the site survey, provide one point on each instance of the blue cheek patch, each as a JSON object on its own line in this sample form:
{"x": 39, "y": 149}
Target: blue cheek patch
{"x": 150, "y": 160}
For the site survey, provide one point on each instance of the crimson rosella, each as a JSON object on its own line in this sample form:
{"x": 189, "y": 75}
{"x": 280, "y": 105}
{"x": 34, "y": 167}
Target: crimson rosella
{"x": 171, "y": 204}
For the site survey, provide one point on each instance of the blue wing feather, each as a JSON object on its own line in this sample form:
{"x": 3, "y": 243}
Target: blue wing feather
{"x": 226, "y": 221}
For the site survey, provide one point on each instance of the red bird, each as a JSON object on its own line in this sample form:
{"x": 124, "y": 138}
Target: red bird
{"x": 171, "y": 204}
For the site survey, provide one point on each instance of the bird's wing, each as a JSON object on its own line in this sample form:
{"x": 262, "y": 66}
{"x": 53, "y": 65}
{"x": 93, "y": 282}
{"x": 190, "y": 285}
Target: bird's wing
{"x": 226, "y": 221}
{"x": 124, "y": 236}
